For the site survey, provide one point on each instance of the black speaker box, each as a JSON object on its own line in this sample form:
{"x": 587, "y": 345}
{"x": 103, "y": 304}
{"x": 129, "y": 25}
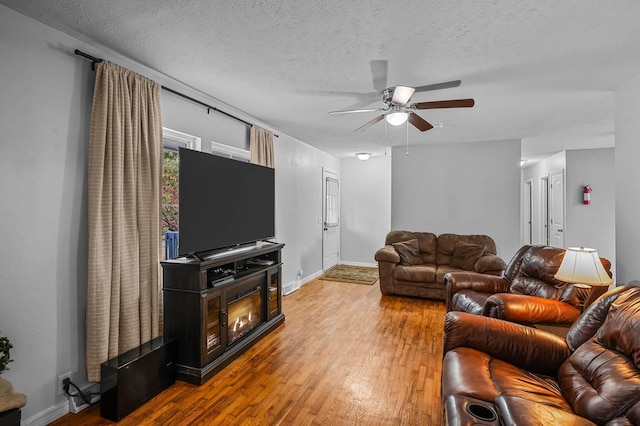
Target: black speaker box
{"x": 133, "y": 378}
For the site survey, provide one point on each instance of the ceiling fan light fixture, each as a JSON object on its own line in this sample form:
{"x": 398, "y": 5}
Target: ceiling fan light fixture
{"x": 363, "y": 156}
{"x": 397, "y": 118}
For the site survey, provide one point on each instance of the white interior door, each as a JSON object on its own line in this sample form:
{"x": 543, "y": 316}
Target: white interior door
{"x": 556, "y": 209}
{"x": 330, "y": 219}
{"x": 543, "y": 221}
{"x": 527, "y": 209}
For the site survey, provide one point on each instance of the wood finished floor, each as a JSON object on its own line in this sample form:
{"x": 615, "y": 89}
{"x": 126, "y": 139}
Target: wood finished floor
{"x": 345, "y": 355}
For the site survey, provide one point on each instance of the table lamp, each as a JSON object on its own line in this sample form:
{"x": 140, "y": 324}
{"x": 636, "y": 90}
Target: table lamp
{"x": 582, "y": 267}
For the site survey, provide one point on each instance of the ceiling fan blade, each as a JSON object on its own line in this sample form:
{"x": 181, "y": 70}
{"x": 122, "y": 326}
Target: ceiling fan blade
{"x": 454, "y": 103}
{"x": 379, "y": 71}
{"x": 369, "y": 124}
{"x": 402, "y": 94}
{"x": 438, "y": 86}
{"x": 419, "y": 122}
{"x": 364, "y": 100}
{"x": 349, "y": 111}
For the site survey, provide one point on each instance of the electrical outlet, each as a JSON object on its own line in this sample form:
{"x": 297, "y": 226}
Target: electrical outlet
{"x": 61, "y": 380}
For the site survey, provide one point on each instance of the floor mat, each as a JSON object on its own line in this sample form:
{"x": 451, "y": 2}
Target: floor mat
{"x": 351, "y": 274}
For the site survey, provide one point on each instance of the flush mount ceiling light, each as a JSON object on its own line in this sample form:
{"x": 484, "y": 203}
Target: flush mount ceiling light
{"x": 363, "y": 156}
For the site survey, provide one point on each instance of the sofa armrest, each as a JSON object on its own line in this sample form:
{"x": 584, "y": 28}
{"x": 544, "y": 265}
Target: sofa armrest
{"x": 490, "y": 264}
{"x": 387, "y": 254}
{"x": 483, "y": 283}
{"x": 475, "y": 281}
{"x": 529, "y": 348}
{"x": 387, "y": 258}
{"x": 529, "y": 309}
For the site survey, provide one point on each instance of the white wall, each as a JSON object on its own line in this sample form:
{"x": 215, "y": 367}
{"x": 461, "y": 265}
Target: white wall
{"x": 591, "y": 225}
{"x": 627, "y": 180}
{"x": 365, "y": 213}
{"x": 45, "y": 98}
{"x": 299, "y": 205}
{"x": 587, "y": 226}
{"x": 461, "y": 188}
{"x": 44, "y": 94}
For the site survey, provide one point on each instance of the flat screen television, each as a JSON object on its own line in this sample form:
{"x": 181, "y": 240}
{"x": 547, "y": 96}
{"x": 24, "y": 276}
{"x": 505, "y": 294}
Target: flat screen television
{"x": 224, "y": 203}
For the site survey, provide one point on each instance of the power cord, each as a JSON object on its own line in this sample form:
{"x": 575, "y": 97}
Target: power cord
{"x": 66, "y": 383}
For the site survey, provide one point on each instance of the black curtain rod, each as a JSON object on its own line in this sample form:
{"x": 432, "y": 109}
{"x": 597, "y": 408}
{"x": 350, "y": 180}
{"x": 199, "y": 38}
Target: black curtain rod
{"x": 95, "y": 61}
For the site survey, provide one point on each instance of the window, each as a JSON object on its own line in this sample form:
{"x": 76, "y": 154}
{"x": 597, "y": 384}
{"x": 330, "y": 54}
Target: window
{"x": 171, "y": 141}
{"x": 332, "y": 202}
{"x": 230, "y": 152}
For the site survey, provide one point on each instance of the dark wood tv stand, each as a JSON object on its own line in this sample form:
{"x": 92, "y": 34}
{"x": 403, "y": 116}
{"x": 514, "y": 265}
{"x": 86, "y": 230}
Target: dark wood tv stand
{"x": 218, "y": 306}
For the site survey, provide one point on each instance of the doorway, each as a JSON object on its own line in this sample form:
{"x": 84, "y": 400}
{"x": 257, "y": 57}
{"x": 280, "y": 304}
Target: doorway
{"x": 330, "y": 219}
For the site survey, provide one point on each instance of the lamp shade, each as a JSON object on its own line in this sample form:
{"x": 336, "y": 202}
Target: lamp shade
{"x": 397, "y": 118}
{"x": 364, "y": 156}
{"x": 582, "y": 265}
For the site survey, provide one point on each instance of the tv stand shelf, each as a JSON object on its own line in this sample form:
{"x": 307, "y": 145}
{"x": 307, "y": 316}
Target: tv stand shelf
{"x": 197, "y": 299}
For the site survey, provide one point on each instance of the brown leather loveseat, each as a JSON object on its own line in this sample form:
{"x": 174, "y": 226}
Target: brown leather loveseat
{"x": 499, "y": 372}
{"x": 415, "y": 263}
{"x": 527, "y": 293}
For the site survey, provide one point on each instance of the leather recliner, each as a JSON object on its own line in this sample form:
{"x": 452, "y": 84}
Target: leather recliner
{"x": 499, "y": 372}
{"x": 526, "y": 293}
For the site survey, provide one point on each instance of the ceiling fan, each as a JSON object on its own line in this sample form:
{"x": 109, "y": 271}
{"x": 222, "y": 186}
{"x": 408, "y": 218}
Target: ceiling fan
{"x": 397, "y": 110}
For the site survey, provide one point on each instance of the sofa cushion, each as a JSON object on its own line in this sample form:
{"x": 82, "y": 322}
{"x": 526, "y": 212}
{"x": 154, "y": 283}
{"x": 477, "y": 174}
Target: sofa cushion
{"x": 427, "y": 242}
{"x": 493, "y": 377}
{"x": 444, "y": 270}
{"x": 417, "y": 273}
{"x": 465, "y": 255}
{"x": 447, "y": 244}
{"x": 409, "y": 252}
{"x": 513, "y": 409}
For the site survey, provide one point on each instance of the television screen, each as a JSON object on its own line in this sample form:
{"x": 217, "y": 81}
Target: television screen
{"x": 223, "y": 202}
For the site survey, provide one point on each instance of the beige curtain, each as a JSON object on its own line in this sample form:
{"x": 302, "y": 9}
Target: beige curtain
{"x": 124, "y": 306}
{"x": 261, "y": 147}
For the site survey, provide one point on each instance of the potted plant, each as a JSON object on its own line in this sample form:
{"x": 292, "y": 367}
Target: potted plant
{"x": 5, "y": 356}
{"x": 8, "y": 398}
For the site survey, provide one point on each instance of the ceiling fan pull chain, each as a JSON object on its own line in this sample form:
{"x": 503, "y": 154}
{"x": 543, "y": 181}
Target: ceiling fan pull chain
{"x": 407, "y": 126}
{"x": 385, "y": 138}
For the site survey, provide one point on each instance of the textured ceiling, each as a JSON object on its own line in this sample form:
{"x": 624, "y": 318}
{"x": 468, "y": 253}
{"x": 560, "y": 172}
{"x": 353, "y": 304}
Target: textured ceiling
{"x": 543, "y": 71}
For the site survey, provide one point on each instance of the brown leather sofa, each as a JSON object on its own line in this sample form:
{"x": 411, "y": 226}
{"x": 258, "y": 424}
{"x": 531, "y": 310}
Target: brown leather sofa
{"x": 499, "y": 372}
{"x": 527, "y": 293}
{"x": 415, "y": 263}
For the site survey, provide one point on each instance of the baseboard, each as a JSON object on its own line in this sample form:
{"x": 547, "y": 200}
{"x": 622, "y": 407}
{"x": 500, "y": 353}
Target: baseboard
{"x": 363, "y": 264}
{"x": 291, "y": 287}
{"x": 48, "y": 416}
{"x": 311, "y": 277}
{"x": 61, "y": 409}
